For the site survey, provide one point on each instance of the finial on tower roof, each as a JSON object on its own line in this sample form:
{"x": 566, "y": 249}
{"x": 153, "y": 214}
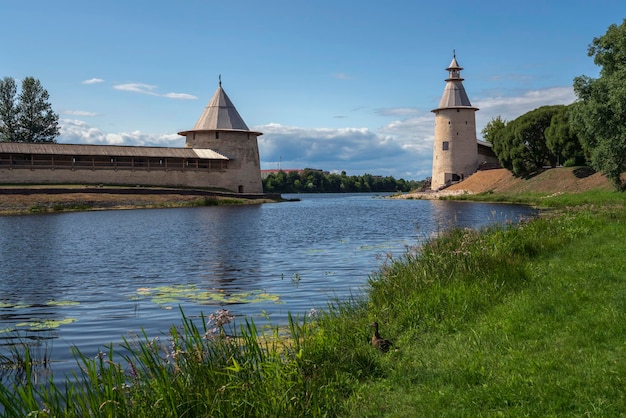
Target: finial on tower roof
{"x": 220, "y": 77}
{"x": 454, "y": 53}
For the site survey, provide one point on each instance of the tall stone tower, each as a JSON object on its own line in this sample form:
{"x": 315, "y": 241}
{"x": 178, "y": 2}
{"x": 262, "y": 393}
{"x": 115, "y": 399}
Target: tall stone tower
{"x": 221, "y": 129}
{"x": 455, "y": 154}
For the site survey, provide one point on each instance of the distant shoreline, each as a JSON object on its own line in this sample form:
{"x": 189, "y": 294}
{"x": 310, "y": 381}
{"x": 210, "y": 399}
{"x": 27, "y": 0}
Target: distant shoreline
{"x": 24, "y": 200}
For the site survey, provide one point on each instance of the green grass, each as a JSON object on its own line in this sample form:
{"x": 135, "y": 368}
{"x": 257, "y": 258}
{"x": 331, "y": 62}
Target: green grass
{"x": 596, "y": 197}
{"x": 516, "y": 320}
{"x": 543, "y": 335}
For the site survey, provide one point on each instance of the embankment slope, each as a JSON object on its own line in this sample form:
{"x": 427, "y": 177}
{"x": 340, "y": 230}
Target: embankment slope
{"x": 562, "y": 179}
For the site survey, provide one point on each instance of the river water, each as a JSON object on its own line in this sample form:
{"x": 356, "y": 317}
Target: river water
{"x": 87, "y": 279}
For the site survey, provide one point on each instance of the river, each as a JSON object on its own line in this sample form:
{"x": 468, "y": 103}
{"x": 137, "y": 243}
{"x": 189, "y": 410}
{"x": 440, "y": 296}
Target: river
{"x": 87, "y": 279}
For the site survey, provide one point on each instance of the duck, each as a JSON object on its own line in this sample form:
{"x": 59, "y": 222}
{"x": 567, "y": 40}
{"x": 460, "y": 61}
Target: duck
{"x": 379, "y": 342}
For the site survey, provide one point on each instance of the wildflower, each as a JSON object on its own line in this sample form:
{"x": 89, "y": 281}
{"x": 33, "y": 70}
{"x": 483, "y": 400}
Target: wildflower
{"x": 221, "y": 317}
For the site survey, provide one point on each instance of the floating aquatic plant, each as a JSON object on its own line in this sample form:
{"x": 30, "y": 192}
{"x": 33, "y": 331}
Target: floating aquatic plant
{"x": 168, "y": 295}
{"x": 62, "y": 303}
{"x": 6, "y": 305}
{"x": 46, "y": 323}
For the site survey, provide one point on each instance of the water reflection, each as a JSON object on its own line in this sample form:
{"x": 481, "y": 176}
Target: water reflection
{"x": 448, "y": 214}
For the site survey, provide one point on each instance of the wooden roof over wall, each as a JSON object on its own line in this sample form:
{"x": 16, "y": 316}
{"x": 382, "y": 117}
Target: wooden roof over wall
{"x": 107, "y": 150}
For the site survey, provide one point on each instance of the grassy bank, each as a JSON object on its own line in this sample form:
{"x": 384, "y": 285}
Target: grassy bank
{"x": 594, "y": 198}
{"x": 526, "y": 319}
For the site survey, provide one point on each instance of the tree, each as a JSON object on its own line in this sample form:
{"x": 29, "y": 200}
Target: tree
{"x": 520, "y": 145}
{"x": 8, "y": 110}
{"x": 562, "y": 139}
{"x": 599, "y": 114}
{"x": 491, "y": 129}
{"x": 311, "y": 180}
{"x": 37, "y": 121}
{"x": 29, "y": 118}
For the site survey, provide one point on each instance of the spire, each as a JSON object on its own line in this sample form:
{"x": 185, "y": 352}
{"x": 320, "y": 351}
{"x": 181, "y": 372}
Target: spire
{"x": 220, "y": 114}
{"x": 454, "y": 94}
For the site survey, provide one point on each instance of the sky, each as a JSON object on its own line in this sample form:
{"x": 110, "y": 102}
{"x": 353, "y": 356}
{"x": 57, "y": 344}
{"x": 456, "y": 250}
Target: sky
{"x": 339, "y": 85}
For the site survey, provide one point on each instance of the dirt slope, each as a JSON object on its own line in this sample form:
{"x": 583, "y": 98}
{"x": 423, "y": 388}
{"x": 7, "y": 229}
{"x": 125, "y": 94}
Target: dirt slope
{"x": 570, "y": 180}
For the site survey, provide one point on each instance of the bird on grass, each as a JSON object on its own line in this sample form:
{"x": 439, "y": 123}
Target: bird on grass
{"x": 379, "y": 342}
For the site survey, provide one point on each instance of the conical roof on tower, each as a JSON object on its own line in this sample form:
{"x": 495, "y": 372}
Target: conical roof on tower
{"x": 219, "y": 114}
{"x": 454, "y": 95}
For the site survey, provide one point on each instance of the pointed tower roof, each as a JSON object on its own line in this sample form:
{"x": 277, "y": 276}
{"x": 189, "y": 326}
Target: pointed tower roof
{"x": 219, "y": 114}
{"x": 454, "y": 95}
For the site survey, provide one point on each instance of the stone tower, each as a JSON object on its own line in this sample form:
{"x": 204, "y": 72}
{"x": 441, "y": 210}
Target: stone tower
{"x": 455, "y": 154}
{"x": 221, "y": 129}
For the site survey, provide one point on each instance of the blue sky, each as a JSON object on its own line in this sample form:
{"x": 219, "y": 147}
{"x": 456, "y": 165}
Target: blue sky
{"x": 335, "y": 85}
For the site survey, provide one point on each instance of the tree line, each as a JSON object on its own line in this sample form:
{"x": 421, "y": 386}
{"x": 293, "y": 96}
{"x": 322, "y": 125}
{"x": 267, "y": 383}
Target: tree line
{"x": 591, "y": 131}
{"x": 317, "y": 181}
{"x": 27, "y": 116}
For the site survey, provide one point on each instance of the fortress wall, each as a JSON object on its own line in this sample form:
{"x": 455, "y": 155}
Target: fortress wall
{"x": 175, "y": 178}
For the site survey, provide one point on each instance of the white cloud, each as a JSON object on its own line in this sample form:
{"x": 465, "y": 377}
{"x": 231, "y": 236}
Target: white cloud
{"x": 137, "y": 88}
{"x": 151, "y": 91}
{"x": 354, "y": 150}
{"x": 79, "y": 132}
{"x": 181, "y": 96}
{"x": 509, "y": 108}
{"x": 93, "y": 81}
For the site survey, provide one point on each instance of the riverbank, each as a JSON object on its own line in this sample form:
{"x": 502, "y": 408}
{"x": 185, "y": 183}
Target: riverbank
{"x": 67, "y": 198}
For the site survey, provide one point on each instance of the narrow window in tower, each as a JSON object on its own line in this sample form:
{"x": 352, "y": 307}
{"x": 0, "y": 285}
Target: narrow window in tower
{"x": 448, "y": 122}
{"x": 217, "y": 135}
{"x": 458, "y": 110}
{"x": 445, "y": 144}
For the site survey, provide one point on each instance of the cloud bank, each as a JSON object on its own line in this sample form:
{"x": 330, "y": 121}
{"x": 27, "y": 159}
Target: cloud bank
{"x": 78, "y": 132}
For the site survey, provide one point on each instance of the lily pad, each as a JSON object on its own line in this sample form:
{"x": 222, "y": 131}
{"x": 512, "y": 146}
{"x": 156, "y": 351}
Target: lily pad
{"x": 62, "y": 303}
{"x": 165, "y": 295}
{"x": 29, "y": 305}
{"x": 46, "y": 323}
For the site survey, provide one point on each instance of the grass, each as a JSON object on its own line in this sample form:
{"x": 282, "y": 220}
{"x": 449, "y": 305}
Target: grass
{"x": 542, "y": 335}
{"x": 516, "y": 320}
{"x": 598, "y": 197}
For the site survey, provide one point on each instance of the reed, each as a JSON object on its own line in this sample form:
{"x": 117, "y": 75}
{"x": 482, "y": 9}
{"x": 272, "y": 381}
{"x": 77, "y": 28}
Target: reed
{"x": 210, "y": 369}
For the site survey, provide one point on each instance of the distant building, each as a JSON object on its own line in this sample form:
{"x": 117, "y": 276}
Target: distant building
{"x": 220, "y": 153}
{"x": 456, "y": 151}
